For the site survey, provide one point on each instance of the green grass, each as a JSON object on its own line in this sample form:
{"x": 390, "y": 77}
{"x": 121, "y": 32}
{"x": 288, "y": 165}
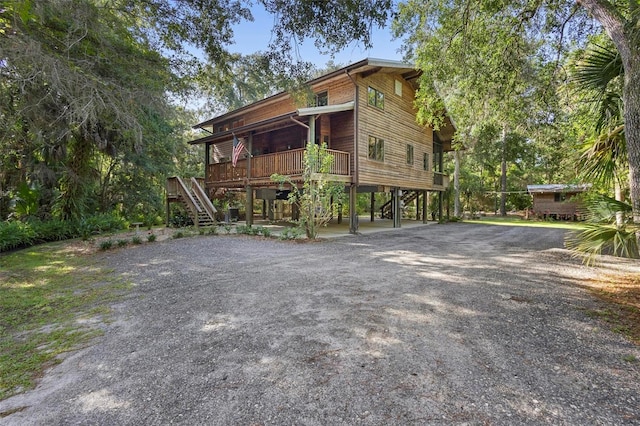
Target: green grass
{"x": 517, "y": 221}
{"x": 47, "y": 295}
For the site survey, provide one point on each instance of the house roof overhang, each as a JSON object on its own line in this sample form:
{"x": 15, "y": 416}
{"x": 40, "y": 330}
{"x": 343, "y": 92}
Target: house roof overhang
{"x": 280, "y": 121}
{"x": 326, "y": 109}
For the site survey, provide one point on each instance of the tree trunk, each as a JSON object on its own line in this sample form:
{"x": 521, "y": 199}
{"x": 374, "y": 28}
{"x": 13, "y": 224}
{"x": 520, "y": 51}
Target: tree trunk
{"x": 619, "y": 196}
{"x": 503, "y": 174}
{"x": 631, "y": 96}
{"x": 456, "y": 184}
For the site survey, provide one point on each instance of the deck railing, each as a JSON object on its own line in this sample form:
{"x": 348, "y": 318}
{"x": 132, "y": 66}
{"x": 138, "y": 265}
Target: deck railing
{"x": 290, "y": 163}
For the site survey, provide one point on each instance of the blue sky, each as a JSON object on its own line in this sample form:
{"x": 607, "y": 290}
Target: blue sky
{"x": 251, "y": 37}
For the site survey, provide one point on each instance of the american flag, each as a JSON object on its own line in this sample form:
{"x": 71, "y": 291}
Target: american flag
{"x": 238, "y": 147}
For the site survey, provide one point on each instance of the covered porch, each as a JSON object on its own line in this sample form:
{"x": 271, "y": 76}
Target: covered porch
{"x": 257, "y": 170}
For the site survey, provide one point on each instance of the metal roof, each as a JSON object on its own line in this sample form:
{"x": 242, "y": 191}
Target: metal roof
{"x": 558, "y": 187}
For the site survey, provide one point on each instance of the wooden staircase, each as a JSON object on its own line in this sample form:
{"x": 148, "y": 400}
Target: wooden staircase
{"x": 386, "y": 210}
{"x": 194, "y": 199}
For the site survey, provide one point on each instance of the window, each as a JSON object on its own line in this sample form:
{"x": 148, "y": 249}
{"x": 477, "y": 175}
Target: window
{"x": 376, "y": 98}
{"x": 425, "y": 161}
{"x": 398, "y": 87}
{"x": 437, "y": 154}
{"x": 376, "y": 148}
{"x": 409, "y": 154}
{"x": 559, "y": 197}
{"x": 320, "y": 99}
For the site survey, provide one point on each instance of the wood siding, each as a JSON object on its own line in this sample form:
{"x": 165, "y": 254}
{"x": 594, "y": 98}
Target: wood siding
{"x": 545, "y": 204}
{"x": 339, "y": 90}
{"x": 396, "y": 125}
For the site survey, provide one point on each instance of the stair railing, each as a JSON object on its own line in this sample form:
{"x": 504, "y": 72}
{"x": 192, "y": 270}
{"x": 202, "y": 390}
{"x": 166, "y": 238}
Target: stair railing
{"x": 186, "y": 195}
{"x": 204, "y": 200}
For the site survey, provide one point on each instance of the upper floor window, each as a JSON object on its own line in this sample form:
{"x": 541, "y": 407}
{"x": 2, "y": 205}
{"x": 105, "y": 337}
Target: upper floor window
{"x": 398, "y": 87}
{"x": 320, "y": 99}
{"x": 559, "y": 197}
{"x": 409, "y": 154}
{"x": 376, "y": 98}
{"x": 425, "y": 161}
{"x": 376, "y": 148}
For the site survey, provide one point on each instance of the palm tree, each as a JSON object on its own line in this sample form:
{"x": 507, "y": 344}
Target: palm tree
{"x": 598, "y": 76}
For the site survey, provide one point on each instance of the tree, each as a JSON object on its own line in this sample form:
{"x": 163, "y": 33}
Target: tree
{"x": 319, "y": 196}
{"x": 441, "y": 25}
{"x": 74, "y": 110}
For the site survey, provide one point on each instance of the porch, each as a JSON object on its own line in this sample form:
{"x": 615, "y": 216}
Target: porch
{"x": 258, "y": 169}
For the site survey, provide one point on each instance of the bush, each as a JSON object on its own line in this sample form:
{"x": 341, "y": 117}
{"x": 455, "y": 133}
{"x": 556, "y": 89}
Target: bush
{"x": 151, "y": 237}
{"x": 136, "y": 240}
{"x": 106, "y": 245}
{"x": 122, "y": 243}
{"x": 266, "y": 232}
{"x": 291, "y": 233}
{"x": 14, "y": 235}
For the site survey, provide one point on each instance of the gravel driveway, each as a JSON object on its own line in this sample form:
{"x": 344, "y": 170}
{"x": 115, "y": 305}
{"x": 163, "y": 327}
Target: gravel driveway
{"x": 436, "y": 325}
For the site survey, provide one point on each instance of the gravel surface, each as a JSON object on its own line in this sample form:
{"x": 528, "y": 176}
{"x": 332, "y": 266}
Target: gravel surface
{"x": 437, "y": 325}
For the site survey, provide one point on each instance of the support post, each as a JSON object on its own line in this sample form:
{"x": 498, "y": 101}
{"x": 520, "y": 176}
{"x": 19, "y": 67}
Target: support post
{"x": 440, "y": 201}
{"x": 373, "y": 205}
{"x": 425, "y": 204}
{"x": 397, "y": 213}
{"x": 248, "y": 208}
{"x": 353, "y": 214}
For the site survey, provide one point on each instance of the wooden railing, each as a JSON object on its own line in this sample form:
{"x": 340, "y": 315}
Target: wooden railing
{"x": 186, "y": 195}
{"x": 205, "y": 202}
{"x": 290, "y": 163}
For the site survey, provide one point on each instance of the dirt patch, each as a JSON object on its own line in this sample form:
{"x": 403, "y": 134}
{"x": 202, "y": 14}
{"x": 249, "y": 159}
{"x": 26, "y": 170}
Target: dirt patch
{"x": 621, "y": 293}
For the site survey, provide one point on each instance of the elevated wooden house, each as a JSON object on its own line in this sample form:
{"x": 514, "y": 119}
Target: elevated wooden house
{"x": 557, "y": 201}
{"x": 365, "y": 114}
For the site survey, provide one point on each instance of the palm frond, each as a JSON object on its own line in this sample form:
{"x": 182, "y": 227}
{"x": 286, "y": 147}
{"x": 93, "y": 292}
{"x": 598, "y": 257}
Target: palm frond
{"x": 599, "y": 67}
{"x": 602, "y": 155}
{"x": 603, "y": 209}
{"x": 597, "y": 239}
{"x": 601, "y": 235}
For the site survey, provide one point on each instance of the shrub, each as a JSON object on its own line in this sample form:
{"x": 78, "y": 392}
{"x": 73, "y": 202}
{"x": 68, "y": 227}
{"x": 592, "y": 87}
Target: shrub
{"x": 151, "y": 237}
{"x": 290, "y": 233}
{"x": 178, "y": 234}
{"x": 266, "y": 232}
{"x": 106, "y": 245}
{"x": 54, "y": 230}
{"x": 136, "y": 240}
{"x": 243, "y": 229}
{"x": 122, "y": 243}
{"x": 14, "y": 235}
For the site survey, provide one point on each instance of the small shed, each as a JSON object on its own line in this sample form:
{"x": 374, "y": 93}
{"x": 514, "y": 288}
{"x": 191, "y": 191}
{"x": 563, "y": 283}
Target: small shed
{"x": 558, "y": 201}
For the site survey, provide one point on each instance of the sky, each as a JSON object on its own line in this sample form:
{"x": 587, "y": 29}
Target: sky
{"x": 251, "y": 37}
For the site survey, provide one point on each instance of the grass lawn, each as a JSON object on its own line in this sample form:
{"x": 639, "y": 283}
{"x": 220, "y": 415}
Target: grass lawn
{"x": 52, "y": 300}
{"x": 518, "y": 221}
